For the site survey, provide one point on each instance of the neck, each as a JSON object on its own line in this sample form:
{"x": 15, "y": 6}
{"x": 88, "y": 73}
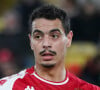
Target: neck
{"x": 56, "y": 73}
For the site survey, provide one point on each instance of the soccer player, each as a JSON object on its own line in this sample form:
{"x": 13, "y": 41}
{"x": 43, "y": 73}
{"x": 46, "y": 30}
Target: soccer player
{"x": 50, "y": 36}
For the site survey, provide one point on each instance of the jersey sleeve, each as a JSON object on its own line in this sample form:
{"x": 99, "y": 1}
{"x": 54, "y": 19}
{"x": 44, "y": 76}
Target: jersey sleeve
{"x": 87, "y": 86}
{"x": 93, "y": 87}
{"x": 7, "y": 83}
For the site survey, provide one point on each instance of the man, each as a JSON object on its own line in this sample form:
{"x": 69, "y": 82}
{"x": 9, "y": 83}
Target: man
{"x": 50, "y": 36}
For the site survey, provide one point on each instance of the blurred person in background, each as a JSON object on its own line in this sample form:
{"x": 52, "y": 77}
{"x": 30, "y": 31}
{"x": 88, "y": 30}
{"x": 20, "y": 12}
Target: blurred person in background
{"x": 11, "y": 36}
{"x": 91, "y": 72}
{"x": 11, "y": 23}
{"x": 71, "y": 7}
{"x": 50, "y": 36}
{"x": 7, "y": 63}
{"x": 86, "y": 26}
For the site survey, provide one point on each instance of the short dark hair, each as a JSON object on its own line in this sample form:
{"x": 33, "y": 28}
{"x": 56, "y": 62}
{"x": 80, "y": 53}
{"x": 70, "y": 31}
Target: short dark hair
{"x": 51, "y": 12}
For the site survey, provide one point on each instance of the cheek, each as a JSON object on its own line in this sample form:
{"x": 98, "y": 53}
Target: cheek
{"x": 60, "y": 46}
{"x": 36, "y": 47}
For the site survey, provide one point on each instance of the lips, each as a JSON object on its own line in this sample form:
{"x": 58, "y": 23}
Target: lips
{"x": 47, "y": 56}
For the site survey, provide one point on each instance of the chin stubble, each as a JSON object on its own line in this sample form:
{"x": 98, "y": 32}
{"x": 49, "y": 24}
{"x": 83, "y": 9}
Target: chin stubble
{"x": 48, "y": 65}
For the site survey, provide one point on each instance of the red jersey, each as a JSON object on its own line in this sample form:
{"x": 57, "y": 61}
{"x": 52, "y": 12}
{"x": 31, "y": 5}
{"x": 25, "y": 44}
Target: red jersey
{"x": 29, "y": 80}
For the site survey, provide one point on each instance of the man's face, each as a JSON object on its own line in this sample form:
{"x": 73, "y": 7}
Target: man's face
{"x": 49, "y": 42}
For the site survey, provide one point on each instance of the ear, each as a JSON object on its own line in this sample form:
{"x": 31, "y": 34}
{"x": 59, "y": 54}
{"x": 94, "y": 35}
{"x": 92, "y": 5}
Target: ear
{"x": 29, "y": 35}
{"x": 69, "y": 38}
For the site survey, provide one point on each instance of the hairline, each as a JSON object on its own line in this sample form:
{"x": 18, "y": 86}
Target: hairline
{"x": 64, "y": 18}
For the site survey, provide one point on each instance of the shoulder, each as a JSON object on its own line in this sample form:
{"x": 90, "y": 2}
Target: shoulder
{"x": 6, "y": 83}
{"x": 83, "y": 84}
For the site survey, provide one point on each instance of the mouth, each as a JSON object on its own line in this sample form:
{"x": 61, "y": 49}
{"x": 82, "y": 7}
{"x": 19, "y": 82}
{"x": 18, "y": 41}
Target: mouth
{"x": 47, "y": 56}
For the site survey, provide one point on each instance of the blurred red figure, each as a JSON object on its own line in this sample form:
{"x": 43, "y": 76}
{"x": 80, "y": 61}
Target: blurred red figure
{"x": 7, "y": 64}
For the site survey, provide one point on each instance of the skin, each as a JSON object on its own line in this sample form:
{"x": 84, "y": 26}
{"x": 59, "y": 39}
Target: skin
{"x": 48, "y": 35}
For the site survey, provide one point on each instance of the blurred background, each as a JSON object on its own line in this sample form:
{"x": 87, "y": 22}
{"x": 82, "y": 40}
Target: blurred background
{"x": 83, "y": 57}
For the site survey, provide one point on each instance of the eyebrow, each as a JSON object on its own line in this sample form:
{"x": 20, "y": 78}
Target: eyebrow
{"x": 54, "y": 30}
{"x": 39, "y": 31}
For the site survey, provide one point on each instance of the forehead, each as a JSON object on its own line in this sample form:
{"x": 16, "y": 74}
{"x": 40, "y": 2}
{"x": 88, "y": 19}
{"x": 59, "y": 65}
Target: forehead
{"x": 46, "y": 25}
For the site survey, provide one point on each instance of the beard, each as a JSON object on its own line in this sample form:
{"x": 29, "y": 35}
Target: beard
{"x": 48, "y": 65}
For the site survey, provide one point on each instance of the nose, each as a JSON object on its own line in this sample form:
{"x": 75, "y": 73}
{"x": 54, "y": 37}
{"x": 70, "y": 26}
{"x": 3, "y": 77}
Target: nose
{"x": 46, "y": 43}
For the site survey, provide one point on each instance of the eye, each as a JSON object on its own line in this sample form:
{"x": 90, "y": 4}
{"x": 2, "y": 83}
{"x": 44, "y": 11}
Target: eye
{"x": 37, "y": 37}
{"x": 55, "y": 36}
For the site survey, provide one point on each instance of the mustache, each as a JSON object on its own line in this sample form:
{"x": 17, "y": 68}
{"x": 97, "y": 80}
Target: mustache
{"x": 52, "y": 52}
